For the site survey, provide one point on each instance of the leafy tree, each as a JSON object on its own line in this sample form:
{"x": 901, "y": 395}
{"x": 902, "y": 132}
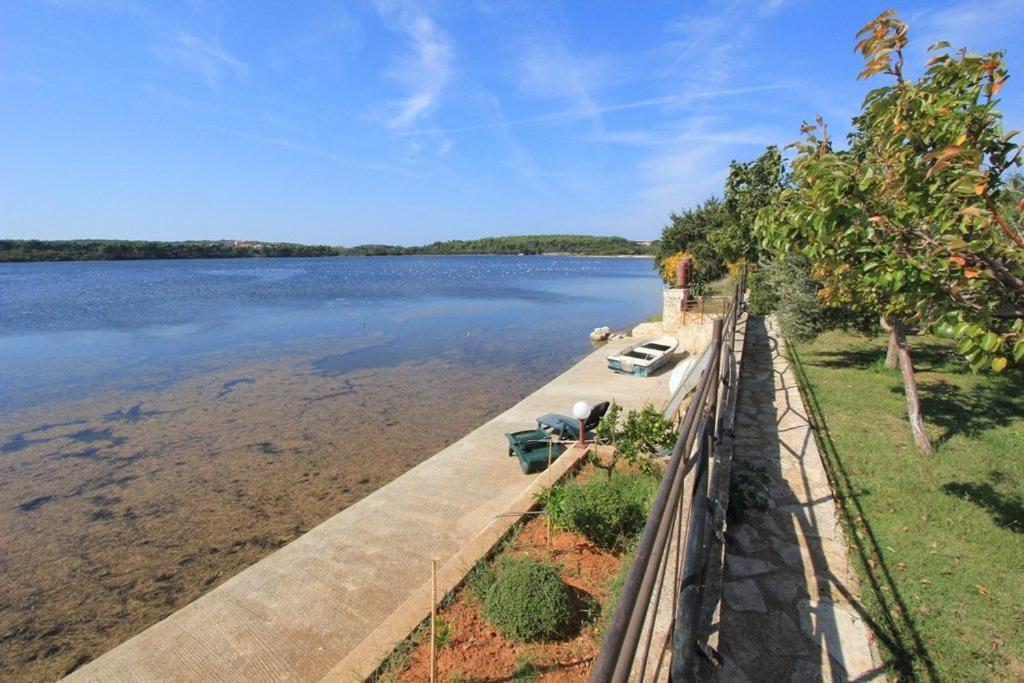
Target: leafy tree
{"x": 691, "y": 231}
{"x": 908, "y": 222}
{"x": 638, "y": 439}
{"x": 750, "y": 187}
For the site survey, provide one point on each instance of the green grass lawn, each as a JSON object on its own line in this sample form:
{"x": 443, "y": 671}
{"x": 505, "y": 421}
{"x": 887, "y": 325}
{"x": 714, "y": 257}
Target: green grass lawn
{"x": 940, "y": 538}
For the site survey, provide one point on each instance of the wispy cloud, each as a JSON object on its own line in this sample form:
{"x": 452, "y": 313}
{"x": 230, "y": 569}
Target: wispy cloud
{"x": 517, "y": 157}
{"x": 990, "y": 25}
{"x": 548, "y": 69}
{"x": 563, "y": 116}
{"x": 203, "y": 56}
{"x": 294, "y": 146}
{"x": 709, "y": 59}
{"x": 425, "y": 70}
{"x": 445, "y": 148}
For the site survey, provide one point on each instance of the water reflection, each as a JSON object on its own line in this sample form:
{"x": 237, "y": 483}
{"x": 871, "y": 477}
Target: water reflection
{"x": 165, "y": 424}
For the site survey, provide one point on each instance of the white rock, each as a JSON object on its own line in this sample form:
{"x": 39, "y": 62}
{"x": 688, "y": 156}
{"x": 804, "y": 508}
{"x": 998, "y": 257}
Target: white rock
{"x": 600, "y": 333}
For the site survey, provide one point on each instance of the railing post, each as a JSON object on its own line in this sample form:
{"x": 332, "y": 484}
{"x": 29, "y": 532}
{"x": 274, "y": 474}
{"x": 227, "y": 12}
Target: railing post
{"x": 701, "y": 421}
{"x": 615, "y": 659}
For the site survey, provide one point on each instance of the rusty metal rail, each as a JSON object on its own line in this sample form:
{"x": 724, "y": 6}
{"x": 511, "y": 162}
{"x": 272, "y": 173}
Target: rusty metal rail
{"x": 682, "y": 512}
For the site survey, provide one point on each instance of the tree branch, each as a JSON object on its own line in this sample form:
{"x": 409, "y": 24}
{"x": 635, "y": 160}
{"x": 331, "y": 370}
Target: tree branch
{"x": 1014, "y": 236}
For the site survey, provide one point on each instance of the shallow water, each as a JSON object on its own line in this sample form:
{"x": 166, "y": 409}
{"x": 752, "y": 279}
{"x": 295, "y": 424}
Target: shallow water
{"x": 164, "y": 424}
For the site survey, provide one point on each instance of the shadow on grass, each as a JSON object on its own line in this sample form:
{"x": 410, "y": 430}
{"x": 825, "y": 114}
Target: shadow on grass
{"x": 967, "y": 411}
{"x": 928, "y": 356}
{"x": 1007, "y": 511}
{"x": 894, "y": 627}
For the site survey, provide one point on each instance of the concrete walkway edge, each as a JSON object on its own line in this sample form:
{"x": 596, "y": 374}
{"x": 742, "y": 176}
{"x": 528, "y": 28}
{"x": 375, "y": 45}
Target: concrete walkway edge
{"x": 367, "y": 657}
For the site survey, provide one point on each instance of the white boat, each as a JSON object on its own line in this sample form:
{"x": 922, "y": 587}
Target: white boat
{"x": 644, "y": 358}
{"x": 681, "y": 372}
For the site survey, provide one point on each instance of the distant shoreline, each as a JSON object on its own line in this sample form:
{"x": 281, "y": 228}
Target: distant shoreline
{"x": 36, "y": 251}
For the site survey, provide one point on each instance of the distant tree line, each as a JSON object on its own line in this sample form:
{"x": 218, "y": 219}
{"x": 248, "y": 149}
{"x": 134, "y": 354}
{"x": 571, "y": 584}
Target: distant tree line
{"x": 117, "y": 250}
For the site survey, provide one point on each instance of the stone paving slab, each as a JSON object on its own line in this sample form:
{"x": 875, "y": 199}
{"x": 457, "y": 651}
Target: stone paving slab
{"x": 784, "y": 614}
{"x": 334, "y": 601}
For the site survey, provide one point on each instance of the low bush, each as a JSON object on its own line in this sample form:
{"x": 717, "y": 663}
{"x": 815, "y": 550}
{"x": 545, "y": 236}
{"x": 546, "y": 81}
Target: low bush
{"x": 639, "y": 439}
{"x": 610, "y": 511}
{"x": 763, "y": 298}
{"x": 529, "y": 600}
{"x": 479, "y": 580}
{"x": 787, "y": 288}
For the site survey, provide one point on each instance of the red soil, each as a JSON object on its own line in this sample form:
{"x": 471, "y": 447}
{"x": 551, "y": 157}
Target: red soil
{"x": 477, "y": 652}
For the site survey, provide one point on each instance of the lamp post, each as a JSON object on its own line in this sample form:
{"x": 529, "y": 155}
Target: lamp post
{"x": 580, "y": 411}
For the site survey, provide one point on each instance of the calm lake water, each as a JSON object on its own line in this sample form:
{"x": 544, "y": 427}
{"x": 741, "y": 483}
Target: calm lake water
{"x": 164, "y": 424}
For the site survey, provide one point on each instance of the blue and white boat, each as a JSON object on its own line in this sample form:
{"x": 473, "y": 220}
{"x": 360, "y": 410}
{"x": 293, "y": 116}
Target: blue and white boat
{"x": 643, "y": 358}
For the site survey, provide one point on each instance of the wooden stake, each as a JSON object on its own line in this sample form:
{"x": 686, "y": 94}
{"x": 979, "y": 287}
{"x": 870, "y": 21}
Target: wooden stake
{"x": 433, "y": 621}
{"x": 550, "y": 442}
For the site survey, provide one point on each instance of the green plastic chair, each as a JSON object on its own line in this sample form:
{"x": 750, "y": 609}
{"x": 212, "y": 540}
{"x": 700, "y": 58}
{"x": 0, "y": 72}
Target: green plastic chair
{"x": 531, "y": 447}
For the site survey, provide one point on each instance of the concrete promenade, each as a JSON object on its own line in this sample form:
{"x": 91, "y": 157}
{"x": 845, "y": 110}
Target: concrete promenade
{"x": 333, "y": 602}
{"x": 790, "y": 607}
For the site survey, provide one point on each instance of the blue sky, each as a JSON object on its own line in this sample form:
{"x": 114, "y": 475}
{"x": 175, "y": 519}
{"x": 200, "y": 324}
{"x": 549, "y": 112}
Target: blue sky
{"x": 404, "y": 122}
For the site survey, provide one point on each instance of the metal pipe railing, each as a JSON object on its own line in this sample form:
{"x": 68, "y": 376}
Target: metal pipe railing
{"x": 700, "y": 425}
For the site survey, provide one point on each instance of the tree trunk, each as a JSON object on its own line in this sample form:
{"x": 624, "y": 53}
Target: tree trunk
{"x": 892, "y": 357}
{"x": 910, "y": 388}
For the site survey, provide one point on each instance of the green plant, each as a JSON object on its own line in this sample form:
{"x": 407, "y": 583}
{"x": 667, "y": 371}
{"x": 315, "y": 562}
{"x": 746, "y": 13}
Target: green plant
{"x": 763, "y": 297}
{"x": 398, "y": 659}
{"x": 442, "y": 632}
{"x": 529, "y": 600}
{"x": 748, "y": 490}
{"x": 644, "y": 434}
{"x": 480, "y": 579}
{"x": 799, "y": 312}
{"x": 909, "y": 222}
{"x": 750, "y": 186}
{"x": 526, "y": 670}
{"x": 614, "y": 586}
{"x": 640, "y": 437}
{"x": 938, "y": 555}
{"x": 610, "y": 511}
{"x": 691, "y": 232}
{"x": 607, "y": 428}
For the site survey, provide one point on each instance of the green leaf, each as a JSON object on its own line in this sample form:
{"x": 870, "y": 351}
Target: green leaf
{"x": 990, "y": 342}
{"x": 965, "y": 346}
{"x": 938, "y": 46}
{"x": 959, "y": 330}
{"x": 1018, "y": 351}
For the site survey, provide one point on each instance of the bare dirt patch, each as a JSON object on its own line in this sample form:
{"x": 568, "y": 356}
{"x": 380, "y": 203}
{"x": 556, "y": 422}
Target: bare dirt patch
{"x": 476, "y": 651}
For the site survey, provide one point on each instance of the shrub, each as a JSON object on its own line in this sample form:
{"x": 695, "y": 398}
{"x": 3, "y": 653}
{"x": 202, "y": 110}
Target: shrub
{"x": 763, "y": 298}
{"x": 788, "y": 288}
{"x": 614, "y": 586}
{"x": 610, "y": 511}
{"x": 528, "y": 601}
{"x": 442, "y": 632}
{"x": 638, "y": 439}
{"x": 479, "y": 580}
{"x": 645, "y": 434}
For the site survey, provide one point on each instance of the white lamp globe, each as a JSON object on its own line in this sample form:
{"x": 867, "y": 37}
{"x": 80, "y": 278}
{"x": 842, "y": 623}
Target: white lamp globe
{"x": 581, "y": 410}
